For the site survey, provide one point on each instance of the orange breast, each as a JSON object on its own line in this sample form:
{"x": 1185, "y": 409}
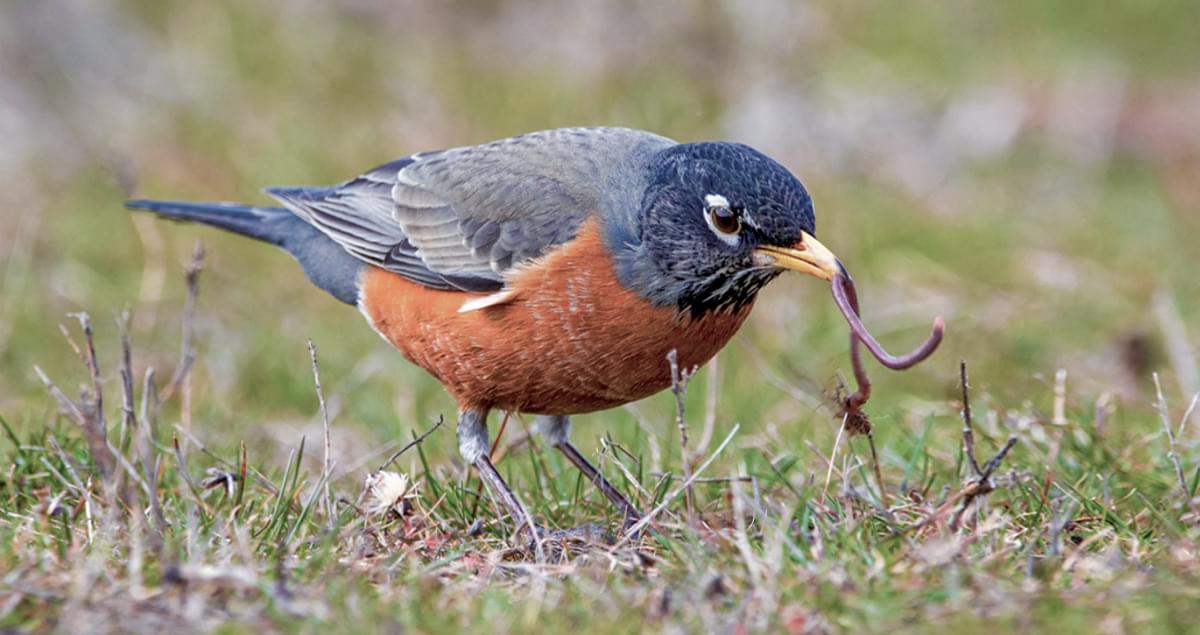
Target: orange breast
{"x": 572, "y": 339}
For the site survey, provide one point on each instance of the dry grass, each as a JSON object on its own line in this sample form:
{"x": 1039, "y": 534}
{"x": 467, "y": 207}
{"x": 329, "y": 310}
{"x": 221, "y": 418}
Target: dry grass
{"x": 143, "y": 529}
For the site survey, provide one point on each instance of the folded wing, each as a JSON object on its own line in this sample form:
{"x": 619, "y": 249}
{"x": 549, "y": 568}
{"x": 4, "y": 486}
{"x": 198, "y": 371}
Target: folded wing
{"x": 462, "y": 218}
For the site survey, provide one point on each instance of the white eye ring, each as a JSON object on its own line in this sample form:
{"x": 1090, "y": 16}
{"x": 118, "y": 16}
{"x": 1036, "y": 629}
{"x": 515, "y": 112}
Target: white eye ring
{"x": 717, "y": 213}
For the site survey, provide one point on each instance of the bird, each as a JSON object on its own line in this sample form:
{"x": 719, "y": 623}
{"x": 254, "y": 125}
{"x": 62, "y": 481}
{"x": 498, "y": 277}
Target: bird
{"x": 549, "y": 274}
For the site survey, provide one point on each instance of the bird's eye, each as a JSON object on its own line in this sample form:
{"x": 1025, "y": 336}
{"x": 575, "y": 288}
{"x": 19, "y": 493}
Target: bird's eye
{"x": 725, "y": 219}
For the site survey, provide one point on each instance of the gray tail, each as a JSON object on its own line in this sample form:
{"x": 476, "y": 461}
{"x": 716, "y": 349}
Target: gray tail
{"x": 325, "y": 263}
{"x": 268, "y": 224}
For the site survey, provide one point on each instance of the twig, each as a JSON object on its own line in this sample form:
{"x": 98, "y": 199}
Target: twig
{"x": 994, "y": 462}
{"x": 982, "y": 485}
{"x": 85, "y": 419}
{"x": 883, "y": 497}
{"x": 679, "y": 382}
{"x": 326, "y": 466}
{"x": 149, "y": 404}
{"x": 128, "y": 416}
{"x": 141, "y": 435}
{"x": 968, "y": 430}
{"x": 414, "y": 442}
{"x": 1165, "y": 415}
{"x": 93, "y": 366}
{"x": 187, "y": 354}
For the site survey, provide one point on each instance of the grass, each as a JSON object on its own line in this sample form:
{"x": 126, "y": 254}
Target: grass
{"x": 145, "y": 528}
{"x": 1062, "y": 256}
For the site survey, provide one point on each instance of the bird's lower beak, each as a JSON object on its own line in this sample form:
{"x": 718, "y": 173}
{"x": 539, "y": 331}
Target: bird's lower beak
{"x": 808, "y": 255}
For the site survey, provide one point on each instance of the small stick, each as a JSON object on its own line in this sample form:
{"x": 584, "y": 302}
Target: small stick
{"x": 149, "y": 395}
{"x": 968, "y": 431}
{"x": 326, "y": 465}
{"x": 128, "y": 417}
{"x": 883, "y": 497}
{"x": 679, "y": 381}
{"x": 85, "y": 322}
{"x": 410, "y": 444}
{"x": 141, "y": 443}
{"x": 982, "y": 485}
{"x": 85, "y": 418}
{"x": 187, "y": 355}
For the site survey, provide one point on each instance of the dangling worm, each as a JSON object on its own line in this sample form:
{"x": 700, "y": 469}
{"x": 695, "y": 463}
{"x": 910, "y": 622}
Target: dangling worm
{"x": 846, "y": 297}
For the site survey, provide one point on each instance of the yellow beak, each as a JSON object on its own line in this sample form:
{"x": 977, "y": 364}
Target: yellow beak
{"x": 806, "y": 256}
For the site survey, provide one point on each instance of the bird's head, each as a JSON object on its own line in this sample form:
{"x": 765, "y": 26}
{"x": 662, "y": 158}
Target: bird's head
{"x": 717, "y": 222}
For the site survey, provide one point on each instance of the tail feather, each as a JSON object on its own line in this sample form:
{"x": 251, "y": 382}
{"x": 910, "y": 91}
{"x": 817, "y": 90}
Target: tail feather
{"x": 261, "y": 223}
{"x": 324, "y": 261}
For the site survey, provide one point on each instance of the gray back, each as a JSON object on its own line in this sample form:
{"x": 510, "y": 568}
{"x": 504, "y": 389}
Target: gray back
{"x": 461, "y": 218}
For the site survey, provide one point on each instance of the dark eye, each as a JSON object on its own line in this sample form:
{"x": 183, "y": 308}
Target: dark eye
{"x": 725, "y": 219}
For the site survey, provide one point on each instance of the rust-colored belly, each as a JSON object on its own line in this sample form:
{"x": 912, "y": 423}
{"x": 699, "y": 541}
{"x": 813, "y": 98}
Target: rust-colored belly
{"x": 572, "y": 339}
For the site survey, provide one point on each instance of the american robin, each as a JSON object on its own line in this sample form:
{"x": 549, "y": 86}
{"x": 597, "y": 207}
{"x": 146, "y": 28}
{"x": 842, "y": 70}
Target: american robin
{"x": 550, "y": 273}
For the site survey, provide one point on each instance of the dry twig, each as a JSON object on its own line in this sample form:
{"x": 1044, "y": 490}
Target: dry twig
{"x": 679, "y": 382}
{"x": 415, "y": 442}
{"x": 982, "y": 485}
{"x": 326, "y": 465}
{"x": 187, "y": 353}
{"x": 88, "y": 412}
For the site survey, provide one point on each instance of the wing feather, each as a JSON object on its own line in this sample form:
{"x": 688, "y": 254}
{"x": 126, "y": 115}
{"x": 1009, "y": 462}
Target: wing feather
{"x": 461, "y": 218}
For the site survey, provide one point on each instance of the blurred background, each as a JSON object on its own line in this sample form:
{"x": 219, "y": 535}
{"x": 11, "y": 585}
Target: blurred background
{"x": 1030, "y": 170}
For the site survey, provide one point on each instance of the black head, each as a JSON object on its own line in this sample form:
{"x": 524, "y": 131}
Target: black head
{"x": 708, "y": 212}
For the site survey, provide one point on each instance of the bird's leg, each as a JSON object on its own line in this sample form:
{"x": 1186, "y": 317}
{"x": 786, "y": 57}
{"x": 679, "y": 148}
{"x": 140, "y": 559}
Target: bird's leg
{"x": 473, "y": 446}
{"x": 556, "y": 431}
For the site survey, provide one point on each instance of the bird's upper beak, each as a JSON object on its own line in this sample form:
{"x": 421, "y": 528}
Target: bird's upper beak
{"x": 808, "y": 255}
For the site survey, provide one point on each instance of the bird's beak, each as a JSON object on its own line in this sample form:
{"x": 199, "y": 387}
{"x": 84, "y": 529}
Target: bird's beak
{"x": 808, "y": 255}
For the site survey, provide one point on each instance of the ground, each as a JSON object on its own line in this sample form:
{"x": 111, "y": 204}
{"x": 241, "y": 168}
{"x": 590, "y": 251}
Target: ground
{"x": 1027, "y": 170}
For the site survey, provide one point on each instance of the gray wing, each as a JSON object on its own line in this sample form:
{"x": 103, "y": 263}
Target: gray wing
{"x": 461, "y": 218}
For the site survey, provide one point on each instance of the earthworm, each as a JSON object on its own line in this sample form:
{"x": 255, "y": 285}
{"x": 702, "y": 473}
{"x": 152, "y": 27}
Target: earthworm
{"x": 846, "y": 297}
